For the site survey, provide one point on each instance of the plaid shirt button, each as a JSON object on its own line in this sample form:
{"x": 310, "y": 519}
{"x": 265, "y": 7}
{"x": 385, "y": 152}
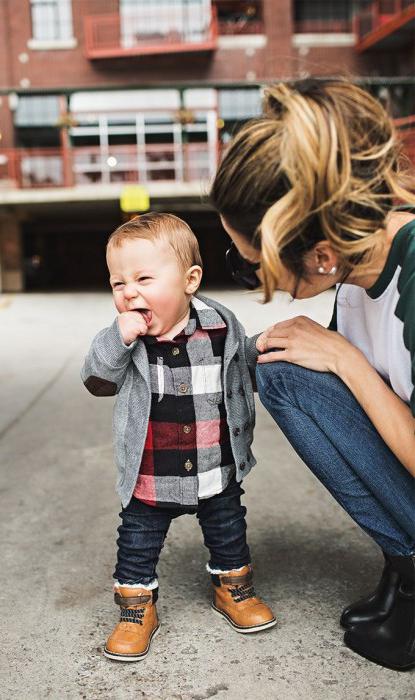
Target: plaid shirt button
{"x": 175, "y": 351}
{"x": 186, "y": 428}
{"x": 183, "y": 388}
{"x": 188, "y": 465}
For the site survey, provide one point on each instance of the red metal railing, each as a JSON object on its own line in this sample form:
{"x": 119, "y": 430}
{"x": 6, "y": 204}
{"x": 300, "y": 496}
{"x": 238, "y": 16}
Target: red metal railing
{"x": 122, "y": 163}
{"x": 375, "y": 21}
{"x": 117, "y": 35}
{"x": 191, "y": 162}
{"x": 34, "y": 168}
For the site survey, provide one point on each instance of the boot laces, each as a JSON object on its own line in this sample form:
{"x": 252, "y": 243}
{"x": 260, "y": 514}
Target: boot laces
{"x": 243, "y": 592}
{"x": 135, "y": 615}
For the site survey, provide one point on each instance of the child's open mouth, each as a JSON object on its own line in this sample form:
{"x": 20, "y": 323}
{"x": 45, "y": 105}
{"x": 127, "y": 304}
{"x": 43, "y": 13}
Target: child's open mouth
{"x": 147, "y": 315}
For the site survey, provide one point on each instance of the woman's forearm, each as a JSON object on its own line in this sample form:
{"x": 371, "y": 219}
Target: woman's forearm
{"x": 390, "y": 415}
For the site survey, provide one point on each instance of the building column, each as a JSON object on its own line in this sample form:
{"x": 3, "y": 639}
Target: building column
{"x": 11, "y": 254}
{"x": 278, "y": 18}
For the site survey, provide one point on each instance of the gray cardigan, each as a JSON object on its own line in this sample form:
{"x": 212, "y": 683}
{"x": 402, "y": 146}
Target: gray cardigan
{"x": 111, "y": 367}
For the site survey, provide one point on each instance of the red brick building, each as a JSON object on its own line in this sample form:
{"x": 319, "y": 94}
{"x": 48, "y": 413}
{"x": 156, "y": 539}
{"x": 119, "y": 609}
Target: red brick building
{"x": 99, "y": 94}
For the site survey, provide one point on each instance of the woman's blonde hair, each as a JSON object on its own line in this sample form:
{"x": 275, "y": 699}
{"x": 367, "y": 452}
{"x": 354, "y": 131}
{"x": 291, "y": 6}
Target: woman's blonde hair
{"x": 324, "y": 162}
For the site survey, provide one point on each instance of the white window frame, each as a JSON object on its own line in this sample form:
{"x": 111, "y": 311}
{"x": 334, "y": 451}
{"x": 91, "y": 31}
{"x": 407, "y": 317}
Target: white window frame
{"x": 152, "y": 112}
{"x": 64, "y": 39}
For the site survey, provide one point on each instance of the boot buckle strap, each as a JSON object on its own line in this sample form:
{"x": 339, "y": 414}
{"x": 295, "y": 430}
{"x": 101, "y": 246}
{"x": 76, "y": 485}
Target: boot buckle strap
{"x": 133, "y": 600}
{"x": 237, "y": 580}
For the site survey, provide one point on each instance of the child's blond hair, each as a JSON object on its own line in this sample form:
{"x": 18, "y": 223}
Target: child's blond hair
{"x": 158, "y": 226}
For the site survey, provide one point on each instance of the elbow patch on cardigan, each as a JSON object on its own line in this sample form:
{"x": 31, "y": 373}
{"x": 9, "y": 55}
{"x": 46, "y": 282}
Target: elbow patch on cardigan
{"x": 100, "y": 387}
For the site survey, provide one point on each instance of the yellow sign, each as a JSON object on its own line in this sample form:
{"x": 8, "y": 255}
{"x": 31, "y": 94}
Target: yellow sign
{"x": 134, "y": 198}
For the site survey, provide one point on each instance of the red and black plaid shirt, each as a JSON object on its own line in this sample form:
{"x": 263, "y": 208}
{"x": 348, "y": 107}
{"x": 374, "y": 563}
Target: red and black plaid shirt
{"x": 187, "y": 454}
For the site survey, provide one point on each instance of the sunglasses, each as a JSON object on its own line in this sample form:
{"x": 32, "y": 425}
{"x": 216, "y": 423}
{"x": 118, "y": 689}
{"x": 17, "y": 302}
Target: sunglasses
{"x": 242, "y": 271}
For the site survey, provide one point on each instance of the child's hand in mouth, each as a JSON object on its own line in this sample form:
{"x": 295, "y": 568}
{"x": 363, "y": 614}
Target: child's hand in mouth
{"x": 134, "y": 323}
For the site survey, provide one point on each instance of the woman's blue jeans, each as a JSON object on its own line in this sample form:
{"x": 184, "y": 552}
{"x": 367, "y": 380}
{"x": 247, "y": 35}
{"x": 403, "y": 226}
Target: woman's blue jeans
{"x": 337, "y": 441}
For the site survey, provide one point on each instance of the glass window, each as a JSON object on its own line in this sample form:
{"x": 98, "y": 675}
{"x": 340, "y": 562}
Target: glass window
{"x": 51, "y": 20}
{"x": 240, "y": 17}
{"x": 156, "y": 20}
{"x": 239, "y": 104}
{"x": 37, "y": 110}
{"x": 322, "y": 9}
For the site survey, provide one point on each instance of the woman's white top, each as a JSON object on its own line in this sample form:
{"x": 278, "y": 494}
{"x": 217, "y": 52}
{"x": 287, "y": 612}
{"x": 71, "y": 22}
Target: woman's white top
{"x": 380, "y": 321}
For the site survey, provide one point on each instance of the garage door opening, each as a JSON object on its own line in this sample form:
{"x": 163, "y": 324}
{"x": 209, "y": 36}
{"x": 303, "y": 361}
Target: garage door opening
{"x": 67, "y": 252}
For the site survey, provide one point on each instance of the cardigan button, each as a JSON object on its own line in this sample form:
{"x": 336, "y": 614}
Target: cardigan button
{"x": 183, "y": 388}
{"x": 175, "y": 351}
{"x": 188, "y": 465}
{"x": 236, "y": 357}
{"x": 229, "y": 393}
{"x": 242, "y": 466}
{"x": 236, "y": 431}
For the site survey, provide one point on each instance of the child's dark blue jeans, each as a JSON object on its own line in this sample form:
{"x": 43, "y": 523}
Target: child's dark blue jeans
{"x": 144, "y": 528}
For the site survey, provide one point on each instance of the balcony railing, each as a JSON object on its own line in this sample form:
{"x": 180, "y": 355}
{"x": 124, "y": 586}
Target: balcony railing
{"x": 152, "y": 30}
{"x": 385, "y": 22}
{"x": 89, "y": 165}
{"x": 34, "y": 167}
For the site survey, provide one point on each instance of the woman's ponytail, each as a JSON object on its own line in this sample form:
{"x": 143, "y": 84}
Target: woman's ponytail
{"x": 323, "y": 163}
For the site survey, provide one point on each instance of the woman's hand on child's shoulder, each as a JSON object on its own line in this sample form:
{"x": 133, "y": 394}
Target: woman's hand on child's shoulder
{"x": 304, "y": 342}
{"x": 132, "y": 324}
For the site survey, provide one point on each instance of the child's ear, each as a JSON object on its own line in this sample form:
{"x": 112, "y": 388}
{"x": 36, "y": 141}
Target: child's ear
{"x": 193, "y": 279}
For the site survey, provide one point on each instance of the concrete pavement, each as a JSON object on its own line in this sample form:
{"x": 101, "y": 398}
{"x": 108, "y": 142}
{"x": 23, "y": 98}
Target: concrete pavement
{"x": 59, "y": 516}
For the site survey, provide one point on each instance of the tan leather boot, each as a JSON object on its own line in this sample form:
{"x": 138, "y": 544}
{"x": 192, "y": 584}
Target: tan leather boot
{"x": 131, "y": 638}
{"x": 235, "y": 600}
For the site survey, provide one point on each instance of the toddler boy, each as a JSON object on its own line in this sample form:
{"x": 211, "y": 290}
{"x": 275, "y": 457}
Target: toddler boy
{"x": 183, "y": 424}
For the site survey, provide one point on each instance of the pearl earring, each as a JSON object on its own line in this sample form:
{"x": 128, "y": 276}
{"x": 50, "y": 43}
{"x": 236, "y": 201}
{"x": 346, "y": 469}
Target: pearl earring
{"x": 321, "y": 270}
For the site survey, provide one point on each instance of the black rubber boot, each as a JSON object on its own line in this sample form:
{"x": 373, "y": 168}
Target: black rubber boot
{"x": 391, "y": 643}
{"x": 378, "y": 605}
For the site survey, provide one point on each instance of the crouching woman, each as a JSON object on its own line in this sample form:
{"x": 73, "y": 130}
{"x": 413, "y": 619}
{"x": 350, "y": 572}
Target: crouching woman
{"x": 308, "y": 193}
